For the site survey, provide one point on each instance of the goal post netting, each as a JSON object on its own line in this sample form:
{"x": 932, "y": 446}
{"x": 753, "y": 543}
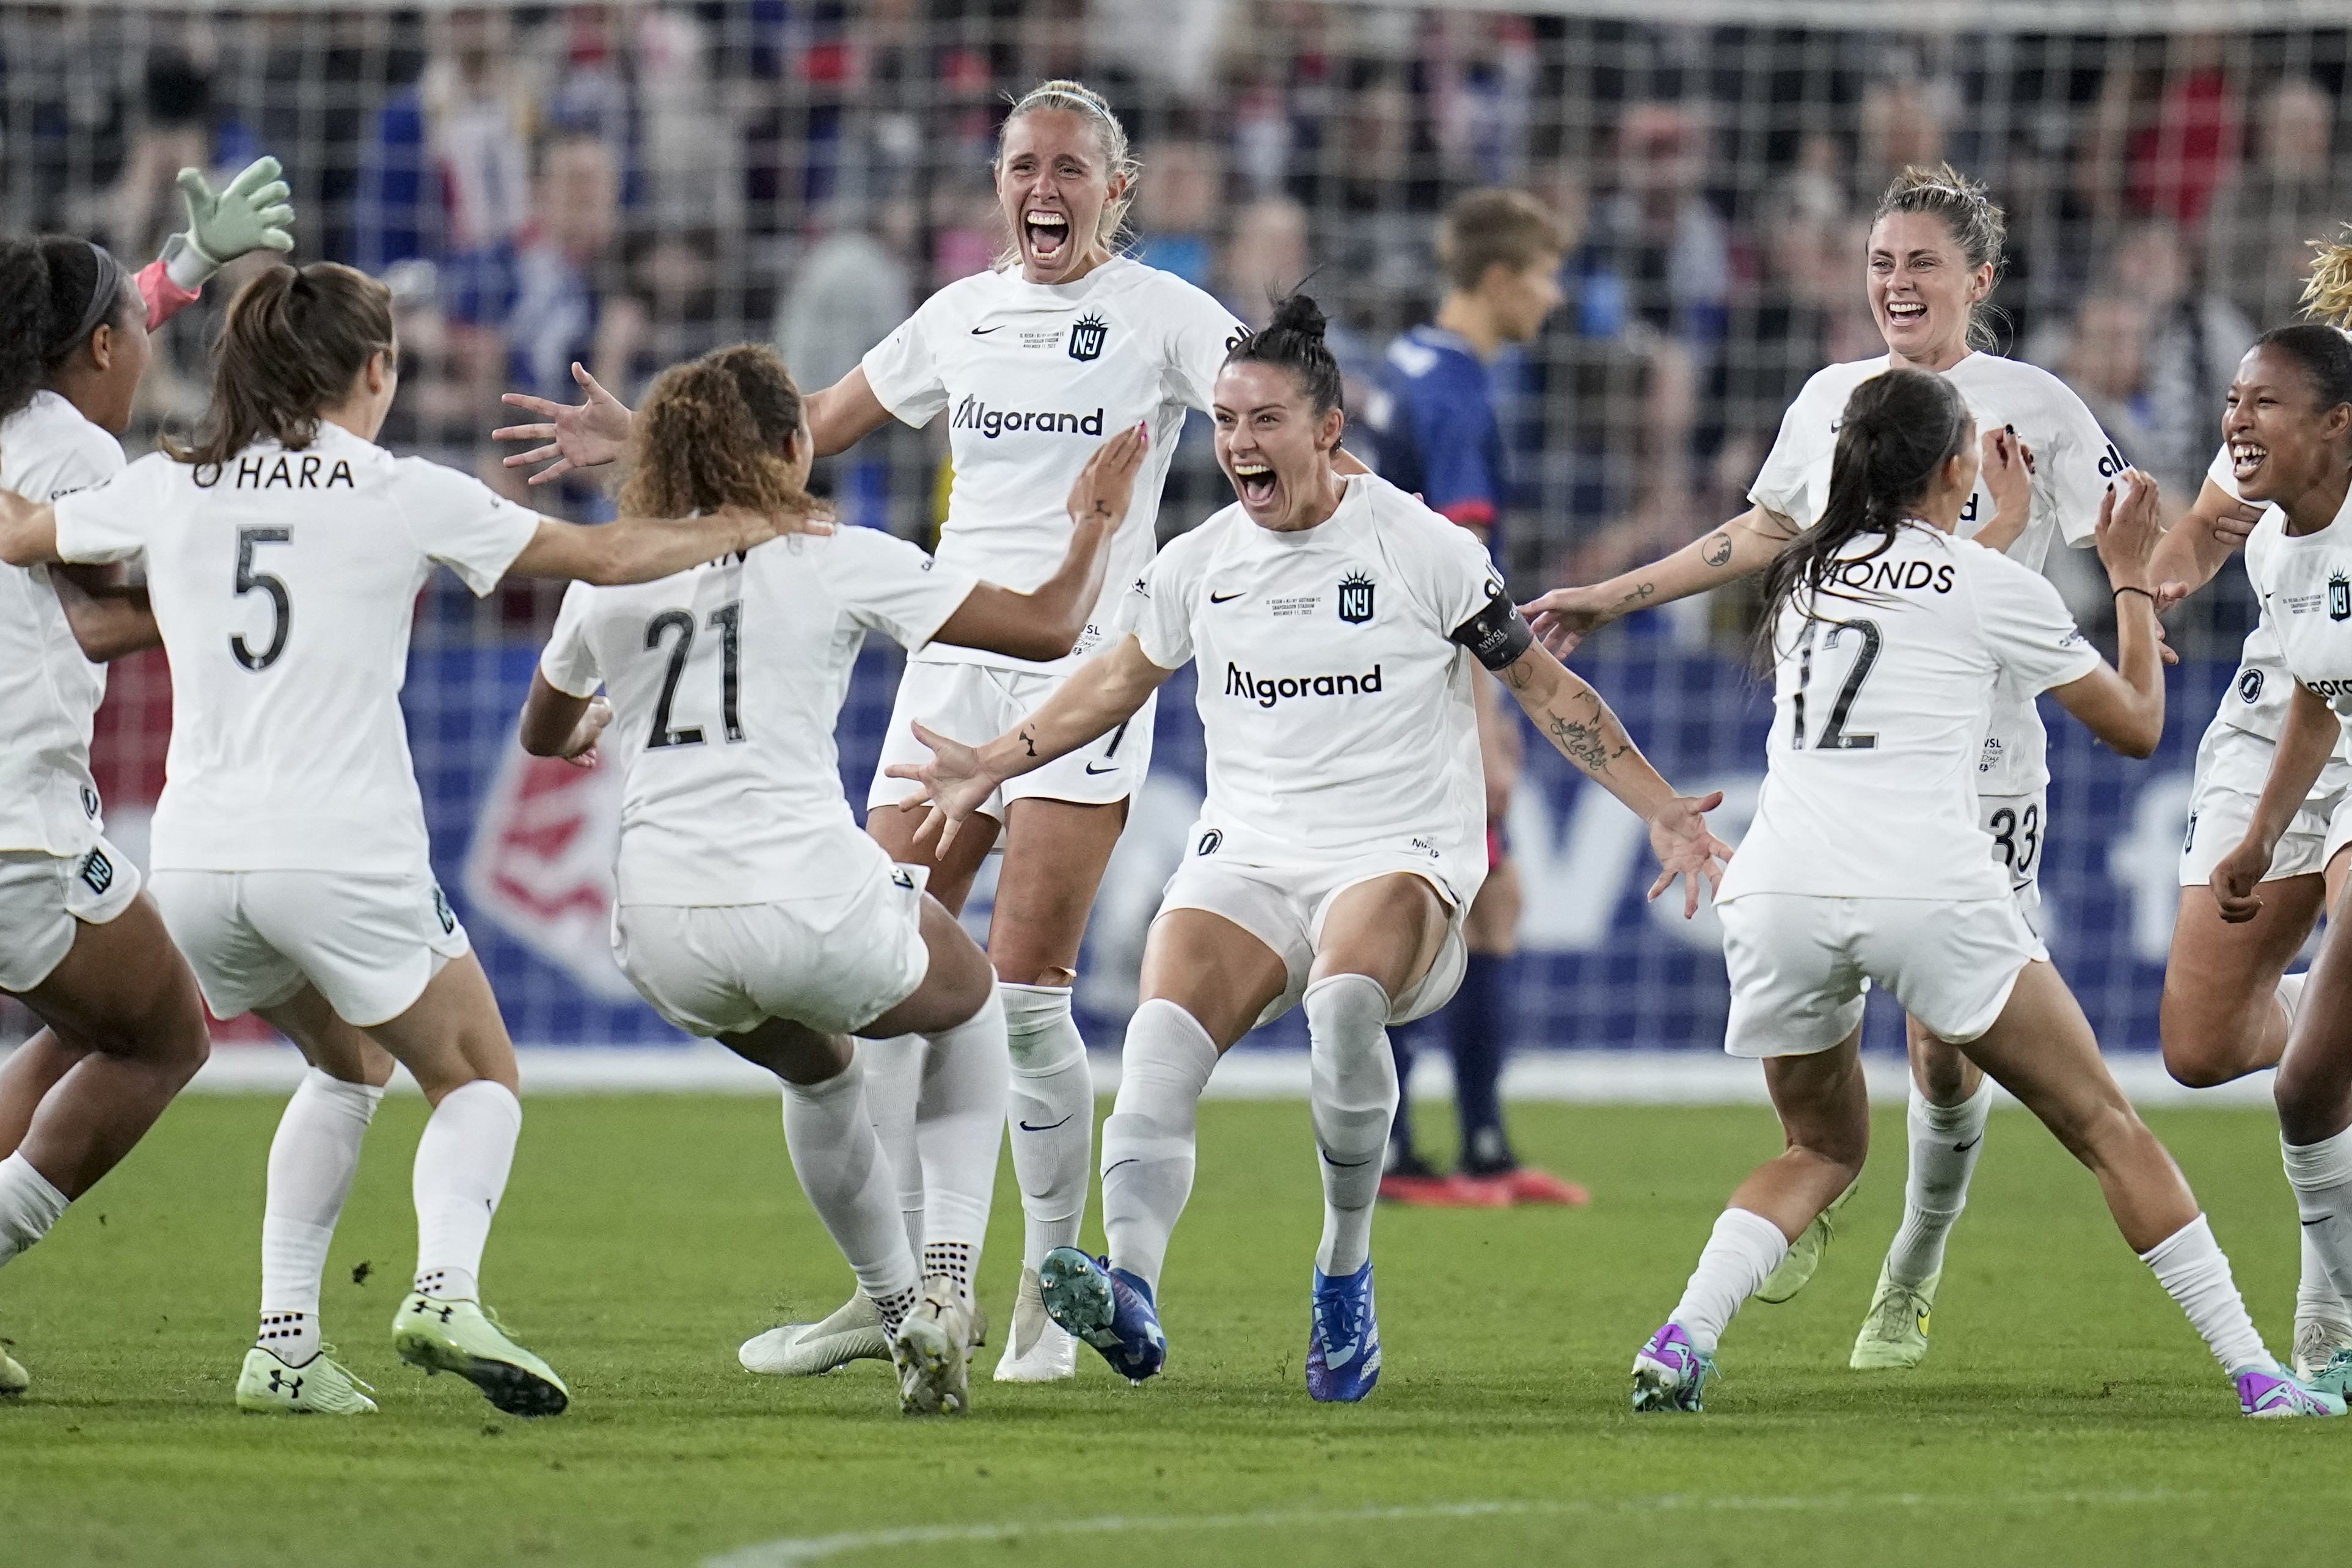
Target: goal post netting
{"x": 631, "y": 185}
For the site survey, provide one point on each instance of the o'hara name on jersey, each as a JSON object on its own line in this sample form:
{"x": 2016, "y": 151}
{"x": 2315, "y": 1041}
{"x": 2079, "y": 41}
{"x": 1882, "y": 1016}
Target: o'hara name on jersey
{"x": 291, "y": 471}
{"x": 974, "y": 414}
{"x": 1266, "y": 691}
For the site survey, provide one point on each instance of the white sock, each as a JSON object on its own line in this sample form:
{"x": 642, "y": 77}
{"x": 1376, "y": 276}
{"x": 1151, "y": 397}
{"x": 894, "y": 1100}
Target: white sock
{"x": 312, "y": 1161}
{"x": 894, "y": 1086}
{"x": 959, "y": 1128}
{"x": 29, "y": 1206}
{"x": 2290, "y": 994}
{"x": 2315, "y": 1293}
{"x": 1353, "y": 1095}
{"x": 1147, "y": 1139}
{"x": 2321, "y": 1174}
{"x": 462, "y": 1163}
{"x": 1741, "y": 1255}
{"x": 1053, "y": 1116}
{"x": 850, "y": 1183}
{"x": 2188, "y": 1264}
{"x": 1944, "y": 1142}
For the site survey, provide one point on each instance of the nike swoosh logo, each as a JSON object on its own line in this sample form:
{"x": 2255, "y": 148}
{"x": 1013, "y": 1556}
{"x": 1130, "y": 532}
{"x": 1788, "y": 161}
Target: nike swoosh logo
{"x": 1108, "y": 1169}
{"x": 1047, "y": 1127}
{"x": 1092, "y": 769}
{"x": 1222, "y": 598}
{"x": 984, "y": 331}
{"x": 1972, "y": 1143}
{"x": 1346, "y": 1164}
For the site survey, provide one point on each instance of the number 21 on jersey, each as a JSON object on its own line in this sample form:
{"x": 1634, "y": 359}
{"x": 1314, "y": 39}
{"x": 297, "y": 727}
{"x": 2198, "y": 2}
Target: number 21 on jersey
{"x": 728, "y": 621}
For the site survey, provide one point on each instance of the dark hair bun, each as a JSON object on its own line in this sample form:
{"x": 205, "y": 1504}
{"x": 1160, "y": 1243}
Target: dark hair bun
{"x": 1301, "y": 314}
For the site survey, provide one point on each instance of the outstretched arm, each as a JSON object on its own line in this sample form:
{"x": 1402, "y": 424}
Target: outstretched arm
{"x": 2305, "y": 746}
{"x": 2123, "y": 703}
{"x": 595, "y": 431}
{"x": 1571, "y": 715}
{"x": 646, "y": 549}
{"x": 1565, "y": 616}
{"x": 1103, "y": 693}
{"x": 2192, "y": 550}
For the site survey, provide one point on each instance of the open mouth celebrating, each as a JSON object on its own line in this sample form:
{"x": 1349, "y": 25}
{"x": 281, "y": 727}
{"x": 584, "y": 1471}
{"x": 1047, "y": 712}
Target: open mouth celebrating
{"x": 1048, "y": 232}
{"x": 1906, "y": 312}
{"x": 2246, "y": 459}
{"x": 1256, "y": 482}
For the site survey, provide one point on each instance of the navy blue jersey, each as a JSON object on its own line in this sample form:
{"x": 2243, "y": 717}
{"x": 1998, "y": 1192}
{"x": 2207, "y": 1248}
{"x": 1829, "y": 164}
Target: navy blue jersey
{"x": 1434, "y": 428}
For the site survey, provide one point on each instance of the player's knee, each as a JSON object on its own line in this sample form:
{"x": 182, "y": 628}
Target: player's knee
{"x": 2193, "y": 1066}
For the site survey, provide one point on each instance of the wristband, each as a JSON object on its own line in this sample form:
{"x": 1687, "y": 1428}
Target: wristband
{"x": 2143, "y": 592}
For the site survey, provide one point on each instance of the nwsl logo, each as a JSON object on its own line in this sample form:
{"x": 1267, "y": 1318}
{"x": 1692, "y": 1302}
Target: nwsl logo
{"x": 1086, "y": 335}
{"x": 1354, "y": 599}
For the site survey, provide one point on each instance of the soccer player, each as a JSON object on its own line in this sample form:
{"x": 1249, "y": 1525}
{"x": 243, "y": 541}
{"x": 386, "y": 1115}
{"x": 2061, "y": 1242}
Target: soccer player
{"x": 81, "y": 944}
{"x": 1935, "y": 253}
{"x": 2228, "y": 1002}
{"x": 1334, "y": 620}
{"x": 1033, "y": 364}
{"x": 1888, "y": 637}
{"x": 1436, "y": 434}
{"x": 284, "y": 551}
{"x": 751, "y": 906}
{"x": 2289, "y": 437}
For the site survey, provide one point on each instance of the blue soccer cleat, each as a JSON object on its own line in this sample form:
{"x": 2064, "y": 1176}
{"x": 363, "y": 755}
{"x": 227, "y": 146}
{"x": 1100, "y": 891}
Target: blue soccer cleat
{"x": 1109, "y": 1308}
{"x": 1343, "y": 1338}
{"x": 1671, "y": 1373}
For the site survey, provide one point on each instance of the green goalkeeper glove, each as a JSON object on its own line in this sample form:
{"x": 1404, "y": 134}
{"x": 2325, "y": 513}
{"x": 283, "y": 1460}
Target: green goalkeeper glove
{"x": 248, "y": 215}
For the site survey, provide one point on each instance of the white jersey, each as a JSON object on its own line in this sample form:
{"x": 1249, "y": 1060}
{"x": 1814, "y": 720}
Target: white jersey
{"x": 725, "y": 683}
{"x": 2256, "y": 701}
{"x": 1335, "y": 710}
{"x": 285, "y": 583}
{"x": 2072, "y": 464}
{"x": 1033, "y": 377}
{"x": 1878, "y": 713}
{"x": 49, "y": 692}
{"x": 2305, "y": 586}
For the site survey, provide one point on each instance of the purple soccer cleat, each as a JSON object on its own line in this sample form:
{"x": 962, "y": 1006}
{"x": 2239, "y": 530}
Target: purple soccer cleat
{"x": 1671, "y": 1373}
{"x": 2274, "y": 1393}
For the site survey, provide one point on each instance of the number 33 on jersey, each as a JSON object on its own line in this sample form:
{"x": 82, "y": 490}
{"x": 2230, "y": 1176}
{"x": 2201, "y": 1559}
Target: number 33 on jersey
{"x": 1880, "y": 695}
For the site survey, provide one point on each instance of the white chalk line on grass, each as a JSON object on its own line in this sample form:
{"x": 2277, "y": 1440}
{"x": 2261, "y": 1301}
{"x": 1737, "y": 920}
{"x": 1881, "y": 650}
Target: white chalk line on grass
{"x": 794, "y": 1550}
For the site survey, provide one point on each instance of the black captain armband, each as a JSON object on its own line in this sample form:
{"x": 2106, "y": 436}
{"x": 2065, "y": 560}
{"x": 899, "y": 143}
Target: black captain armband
{"x": 1497, "y": 634}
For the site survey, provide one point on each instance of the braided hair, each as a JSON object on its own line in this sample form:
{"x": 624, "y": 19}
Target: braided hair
{"x": 1899, "y": 427}
{"x": 711, "y": 433}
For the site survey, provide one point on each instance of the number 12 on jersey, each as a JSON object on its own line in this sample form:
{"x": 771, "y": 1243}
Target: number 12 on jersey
{"x": 1835, "y": 735}
{"x": 728, "y": 621}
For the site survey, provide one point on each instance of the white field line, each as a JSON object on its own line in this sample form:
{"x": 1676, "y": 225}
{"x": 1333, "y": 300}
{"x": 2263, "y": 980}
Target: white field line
{"x": 794, "y": 1550}
{"x": 1566, "y": 1077}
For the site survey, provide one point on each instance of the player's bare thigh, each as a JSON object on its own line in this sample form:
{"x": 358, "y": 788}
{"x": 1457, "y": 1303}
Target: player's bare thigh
{"x": 952, "y": 874}
{"x": 1391, "y": 928}
{"x": 450, "y": 1036}
{"x": 2221, "y": 1016}
{"x": 1055, "y": 853}
{"x": 955, "y": 986}
{"x": 1213, "y": 969}
{"x": 1493, "y": 927}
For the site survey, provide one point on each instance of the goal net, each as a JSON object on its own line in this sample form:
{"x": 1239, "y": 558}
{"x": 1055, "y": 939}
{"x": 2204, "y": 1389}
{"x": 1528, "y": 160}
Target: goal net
{"x": 630, "y": 184}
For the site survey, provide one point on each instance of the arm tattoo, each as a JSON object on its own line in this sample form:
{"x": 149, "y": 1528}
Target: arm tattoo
{"x": 1029, "y": 738}
{"x": 1518, "y": 675}
{"x": 1586, "y": 745}
{"x": 1640, "y": 592}
{"x": 1716, "y": 550}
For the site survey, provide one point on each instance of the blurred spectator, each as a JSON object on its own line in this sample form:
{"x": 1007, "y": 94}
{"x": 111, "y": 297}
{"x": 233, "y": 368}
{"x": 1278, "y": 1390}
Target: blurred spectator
{"x": 445, "y": 170}
{"x": 2290, "y": 193}
{"x": 2181, "y": 154}
{"x": 1176, "y": 205}
{"x": 1264, "y": 259}
{"x": 1903, "y": 119}
{"x": 173, "y": 132}
{"x": 526, "y": 308}
{"x": 850, "y": 292}
{"x": 1659, "y": 246}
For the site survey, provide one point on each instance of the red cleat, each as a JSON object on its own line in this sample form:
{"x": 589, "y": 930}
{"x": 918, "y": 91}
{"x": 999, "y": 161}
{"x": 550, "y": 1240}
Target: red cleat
{"x": 1443, "y": 1191}
{"x": 1524, "y": 1183}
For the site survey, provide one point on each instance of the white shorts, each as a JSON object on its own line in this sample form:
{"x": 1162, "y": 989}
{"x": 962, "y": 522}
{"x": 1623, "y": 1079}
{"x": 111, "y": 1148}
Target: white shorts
{"x": 973, "y": 702}
{"x": 45, "y": 899}
{"x": 1801, "y": 963}
{"x": 835, "y": 964}
{"x": 371, "y": 942}
{"x": 2233, "y": 765}
{"x": 1285, "y": 906}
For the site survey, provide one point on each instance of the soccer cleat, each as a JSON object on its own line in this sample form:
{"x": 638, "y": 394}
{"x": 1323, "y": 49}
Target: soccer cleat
{"x": 14, "y": 1378}
{"x": 1670, "y": 1373}
{"x": 854, "y": 1332}
{"x": 1426, "y": 1189}
{"x": 319, "y": 1386}
{"x": 463, "y": 1338}
{"x": 1894, "y": 1331}
{"x": 2316, "y": 1343}
{"x": 1109, "y": 1308}
{"x": 2273, "y": 1393}
{"x": 1343, "y": 1338}
{"x": 1039, "y": 1350}
{"x": 933, "y": 1352}
{"x": 1796, "y": 1270}
{"x": 1524, "y": 1183}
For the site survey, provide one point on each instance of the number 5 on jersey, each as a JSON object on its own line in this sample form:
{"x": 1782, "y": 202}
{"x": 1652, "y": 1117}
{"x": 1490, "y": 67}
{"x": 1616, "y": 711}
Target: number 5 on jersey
{"x": 281, "y": 604}
{"x": 726, "y": 620}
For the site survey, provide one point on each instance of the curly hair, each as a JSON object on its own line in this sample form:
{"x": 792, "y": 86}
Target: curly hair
{"x": 711, "y": 433}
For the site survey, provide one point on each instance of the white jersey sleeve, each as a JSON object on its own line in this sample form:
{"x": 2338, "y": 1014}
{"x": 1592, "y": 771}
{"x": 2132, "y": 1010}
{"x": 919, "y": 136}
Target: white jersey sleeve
{"x": 2026, "y": 626}
{"x": 1161, "y": 607}
{"x": 1796, "y": 467}
{"x": 111, "y": 522}
{"x": 1201, "y": 333}
{"x": 2079, "y": 472}
{"x": 903, "y": 369}
{"x": 462, "y": 523}
{"x": 569, "y": 662}
{"x": 887, "y": 585}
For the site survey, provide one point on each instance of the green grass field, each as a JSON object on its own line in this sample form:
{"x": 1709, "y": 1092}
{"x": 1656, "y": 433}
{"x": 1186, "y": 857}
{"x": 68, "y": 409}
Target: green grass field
{"x": 2066, "y": 1414}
